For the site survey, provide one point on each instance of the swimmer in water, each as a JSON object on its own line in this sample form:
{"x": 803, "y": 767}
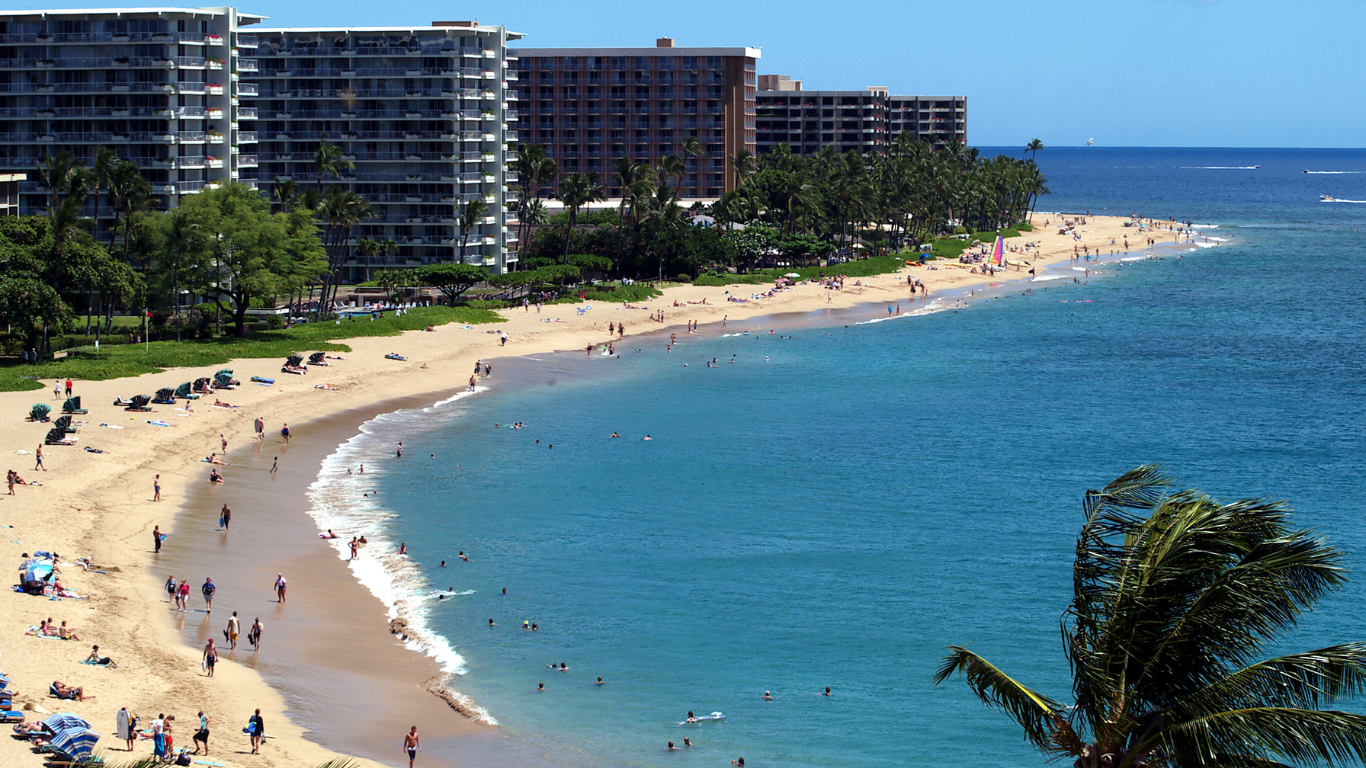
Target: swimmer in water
{"x": 691, "y": 718}
{"x": 600, "y": 681}
{"x": 768, "y": 696}
{"x": 827, "y": 691}
{"x": 686, "y": 743}
{"x": 491, "y": 624}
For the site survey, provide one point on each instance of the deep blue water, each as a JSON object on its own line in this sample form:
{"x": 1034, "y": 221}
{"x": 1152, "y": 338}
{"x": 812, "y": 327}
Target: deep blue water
{"x": 839, "y": 513}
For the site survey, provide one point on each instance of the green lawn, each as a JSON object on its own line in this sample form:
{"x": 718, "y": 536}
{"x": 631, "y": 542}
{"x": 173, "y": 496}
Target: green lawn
{"x": 118, "y": 360}
{"x": 876, "y": 265}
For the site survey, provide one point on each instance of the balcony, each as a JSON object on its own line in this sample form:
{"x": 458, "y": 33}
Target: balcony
{"x": 189, "y": 62}
{"x": 213, "y": 113}
{"x": 246, "y": 137}
{"x": 246, "y": 161}
{"x": 191, "y": 163}
{"x": 210, "y": 161}
{"x": 247, "y": 41}
{"x": 213, "y": 40}
{"x": 188, "y": 187}
{"x": 247, "y": 89}
{"x": 213, "y": 89}
{"x": 215, "y": 137}
{"x": 246, "y": 113}
{"x": 192, "y": 88}
{"x": 193, "y": 137}
{"x": 246, "y": 65}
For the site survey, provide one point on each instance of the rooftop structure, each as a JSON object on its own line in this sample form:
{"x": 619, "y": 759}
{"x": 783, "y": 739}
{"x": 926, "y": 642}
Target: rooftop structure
{"x": 591, "y": 106}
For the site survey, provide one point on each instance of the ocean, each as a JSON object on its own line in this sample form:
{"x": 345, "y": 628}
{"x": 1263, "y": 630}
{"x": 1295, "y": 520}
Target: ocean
{"x": 846, "y": 498}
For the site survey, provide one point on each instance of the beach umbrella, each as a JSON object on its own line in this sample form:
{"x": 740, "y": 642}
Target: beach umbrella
{"x": 792, "y": 274}
{"x": 65, "y": 720}
{"x": 37, "y": 570}
{"x": 76, "y": 742}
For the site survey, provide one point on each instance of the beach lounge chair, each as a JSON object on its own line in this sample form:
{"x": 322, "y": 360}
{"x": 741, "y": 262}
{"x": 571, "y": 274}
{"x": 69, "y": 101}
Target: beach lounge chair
{"x": 139, "y": 403}
{"x": 183, "y": 392}
{"x": 73, "y": 405}
{"x": 295, "y": 365}
{"x": 317, "y": 358}
{"x": 203, "y": 386}
{"x": 57, "y": 436}
{"x": 64, "y": 423}
{"x": 165, "y": 396}
{"x": 224, "y": 380}
{"x": 39, "y": 412}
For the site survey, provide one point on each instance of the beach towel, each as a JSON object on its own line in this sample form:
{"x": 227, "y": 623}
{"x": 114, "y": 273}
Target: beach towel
{"x": 111, "y": 426}
{"x": 159, "y": 423}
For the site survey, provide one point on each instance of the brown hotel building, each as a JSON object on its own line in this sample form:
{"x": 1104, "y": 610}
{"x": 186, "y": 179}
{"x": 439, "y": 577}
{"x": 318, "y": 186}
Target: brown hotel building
{"x": 590, "y": 106}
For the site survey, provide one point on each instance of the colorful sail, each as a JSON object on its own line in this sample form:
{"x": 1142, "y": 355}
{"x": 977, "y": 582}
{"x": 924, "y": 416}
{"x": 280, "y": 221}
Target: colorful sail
{"x": 999, "y": 253}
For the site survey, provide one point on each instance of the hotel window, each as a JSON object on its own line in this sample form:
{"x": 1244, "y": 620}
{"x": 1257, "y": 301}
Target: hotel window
{"x": 547, "y": 63}
{"x": 690, "y": 62}
{"x": 619, "y": 62}
{"x": 642, "y": 62}
{"x": 569, "y": 63}
{"x": 571, "y": 137}
{"x": 642, "y": 92}
{"x": 546, "y": 136}
{"x": 592, "y": 62}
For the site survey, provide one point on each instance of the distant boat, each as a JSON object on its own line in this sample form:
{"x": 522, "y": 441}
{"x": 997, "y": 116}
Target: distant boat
{"x": 1089, "y": 142}
{"x": 1327, "y": 199}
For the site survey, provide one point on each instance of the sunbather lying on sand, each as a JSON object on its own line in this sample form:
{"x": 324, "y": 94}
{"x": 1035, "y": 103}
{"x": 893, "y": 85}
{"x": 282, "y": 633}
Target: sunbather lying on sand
{"x": 74, "y": 692}
{"x": 220, "y": 404}
{"x": 213, "y": 459}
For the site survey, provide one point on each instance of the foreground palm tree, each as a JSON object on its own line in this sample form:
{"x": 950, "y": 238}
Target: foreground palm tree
{"x": 1175, "y": 596}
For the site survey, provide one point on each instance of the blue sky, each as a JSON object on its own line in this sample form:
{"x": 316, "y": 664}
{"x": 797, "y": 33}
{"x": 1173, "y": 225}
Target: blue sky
{"x": 1126, "y": 72}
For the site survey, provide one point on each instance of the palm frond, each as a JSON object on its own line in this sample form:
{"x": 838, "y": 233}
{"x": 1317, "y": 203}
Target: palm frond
{"x": 1284, "y": 734}
{"x": 1040, "y": 716}
{"x": 1308, "y": 680}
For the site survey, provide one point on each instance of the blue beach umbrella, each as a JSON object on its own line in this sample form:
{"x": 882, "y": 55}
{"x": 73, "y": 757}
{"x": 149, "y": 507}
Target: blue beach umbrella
{"x": 37, "y": 570}
{"x": 76, "y": 742}
{"x": 64, "y": 721}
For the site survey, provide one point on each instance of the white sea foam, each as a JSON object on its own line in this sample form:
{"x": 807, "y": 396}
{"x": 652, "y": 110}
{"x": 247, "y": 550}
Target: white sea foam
{"x": 1358, "y": 202}
{"x": 1219, "y": 167}
{"x": 337, "y": 504}
{"x": 1046, "y": 278}
{"x": 935, "y": 305}
{"x": 1334, "y": 172}
{"x": 1204, "y": 226}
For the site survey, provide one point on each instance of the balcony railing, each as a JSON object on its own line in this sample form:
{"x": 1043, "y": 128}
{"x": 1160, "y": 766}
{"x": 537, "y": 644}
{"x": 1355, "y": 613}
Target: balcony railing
{"x": 246, "y": 137}
{"x": 247, "y": 89}
{"x": 246, "y": 113}
{"x": 246, "y": 65}
{"x": 247, "y": 41}
{"x": 246, "y": 161}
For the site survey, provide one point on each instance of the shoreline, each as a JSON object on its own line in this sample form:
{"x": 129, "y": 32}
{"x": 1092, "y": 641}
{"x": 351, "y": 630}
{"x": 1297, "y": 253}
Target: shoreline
{"x": 104, "y": 508}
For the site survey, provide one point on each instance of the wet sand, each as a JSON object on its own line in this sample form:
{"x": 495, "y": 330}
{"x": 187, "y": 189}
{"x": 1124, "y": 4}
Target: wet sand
{"x": 346, "y": 680}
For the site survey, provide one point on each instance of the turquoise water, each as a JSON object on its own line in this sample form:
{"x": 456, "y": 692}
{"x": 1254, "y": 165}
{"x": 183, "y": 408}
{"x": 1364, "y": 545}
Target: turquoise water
{"x": 838, "y": 513}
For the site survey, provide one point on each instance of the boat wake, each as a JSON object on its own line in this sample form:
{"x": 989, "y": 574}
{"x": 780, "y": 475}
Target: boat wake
{"x": 1220, "y": 167}
{"x": 1340, "y": 200}
{"x": 1334, "y": 173}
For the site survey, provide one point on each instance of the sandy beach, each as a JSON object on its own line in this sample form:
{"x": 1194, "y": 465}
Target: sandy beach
{"x": 332, "y": 633}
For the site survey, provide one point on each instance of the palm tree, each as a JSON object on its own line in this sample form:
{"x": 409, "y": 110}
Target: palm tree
{"x": 692, "y": 148}
{"x": 636, "y": 181}
{"x": 388, "y": 248}
{"x": 1175, "y": 597}
{"x": 672, "y": 165}
{"x": 743, "y": 164}
{"x": 576, "y": 191}
{"x": 367, "y": 249}
{"x": 286, "y": 193}
{"x": 470, "y": 216}
{"x": 59, "y": 173}
{"x": 1033, "y": 148}
{"x": 130, "y": 194}
{"x": 105, "y": 160}
{"x": 341, "y": 210}
{"x": 181, "y": 236}
{"x": 328, "y": 160}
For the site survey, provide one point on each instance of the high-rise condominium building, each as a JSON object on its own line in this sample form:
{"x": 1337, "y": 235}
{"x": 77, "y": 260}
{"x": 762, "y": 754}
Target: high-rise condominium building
{"x": 866, "y": 120}
{"x": 159, "y": 86}
{"x": 421, "y": 116}
{"x": 591, "y": 106}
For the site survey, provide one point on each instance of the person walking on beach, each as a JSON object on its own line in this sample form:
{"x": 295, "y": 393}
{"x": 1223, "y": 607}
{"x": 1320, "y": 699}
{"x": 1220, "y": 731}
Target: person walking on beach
{"x": 257, "y": 727}
{"x": 275, "y": 465}
{"x": 210, "y": 656}
{"x": 170, "y": 588}
{"x": 234, "y": 627}
{"x": 260, "y": 429}
{"x": 68, "y": 387}
{"x": 284, "y": 432}
{"x": 412, "y": 745}
{"x": 184, "y": 594}
{"x": 156, "y": 488}
{"x": 254, "y": 634}
{"x": 280, "y": 587}
{"x": 225, "y": 517}
{"x": 158, "y": 728}
{"x": 208, "y": 590}
{"x": 39, "y": 465}
{"x": 201, "y": 736}
{"x": 123, "y": 724}
{"x": 156, "y": 540}
{"x": 400, "y": 449}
